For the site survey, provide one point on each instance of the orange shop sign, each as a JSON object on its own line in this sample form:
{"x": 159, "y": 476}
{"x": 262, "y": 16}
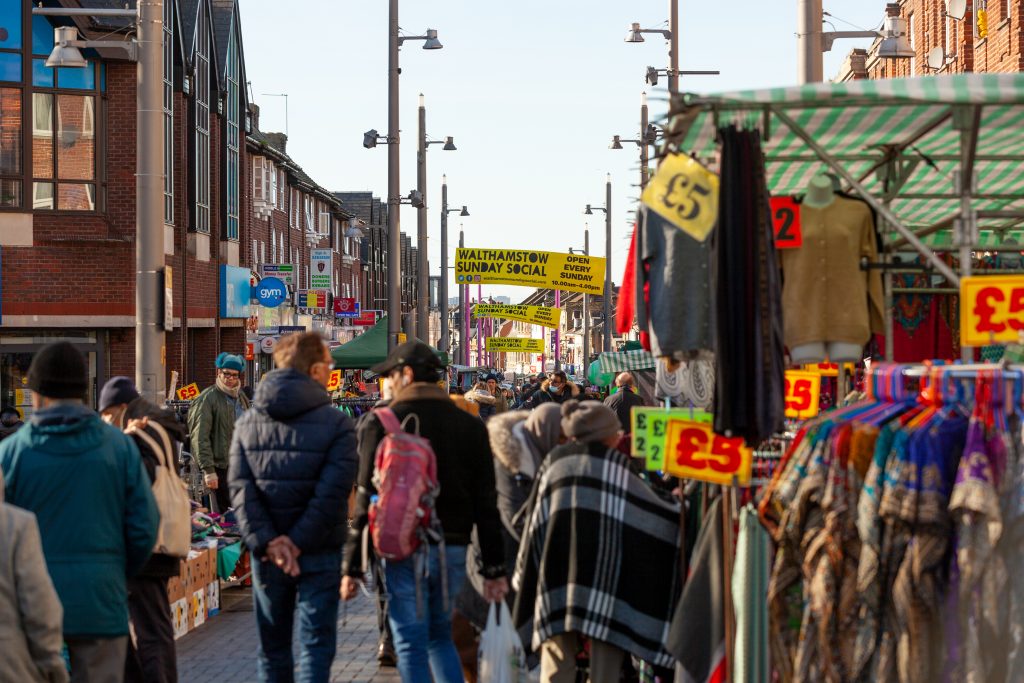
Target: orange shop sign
{"x": 694, "y": 451}
{"x": 991, "y": 309}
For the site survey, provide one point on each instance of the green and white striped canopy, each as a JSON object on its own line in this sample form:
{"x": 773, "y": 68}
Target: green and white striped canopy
{"x": 909, "y": 127}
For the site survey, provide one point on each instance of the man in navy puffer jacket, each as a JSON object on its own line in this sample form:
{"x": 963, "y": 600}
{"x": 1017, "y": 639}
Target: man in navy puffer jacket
{"x": 293, "y": 463}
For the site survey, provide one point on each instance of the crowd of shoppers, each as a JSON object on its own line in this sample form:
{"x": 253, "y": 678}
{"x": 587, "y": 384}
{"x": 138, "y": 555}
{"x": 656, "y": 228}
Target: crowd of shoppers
{"x": 542, "y": 491}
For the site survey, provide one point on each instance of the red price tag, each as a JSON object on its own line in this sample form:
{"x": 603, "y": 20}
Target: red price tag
{"x": 991, "y": 309}
{"x": 694, "y": 451}
{"x": 334, "y": 383}
{"x": 786, "y": 217}
{"x": 189, "y": 392}
{"x": 803, "y": 394}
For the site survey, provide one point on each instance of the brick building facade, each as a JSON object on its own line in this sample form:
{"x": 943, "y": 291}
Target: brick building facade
{"x": 234, "y": 199}
{"x": 987, "y": 39}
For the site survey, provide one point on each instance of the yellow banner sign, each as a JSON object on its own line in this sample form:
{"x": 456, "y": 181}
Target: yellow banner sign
{"x": 685, "y": 194}
{"x": 568, "y": 272}
{"x": 991, "y": 309}
{"x": 537, "y": 315}
{"x": 515, "y": 344}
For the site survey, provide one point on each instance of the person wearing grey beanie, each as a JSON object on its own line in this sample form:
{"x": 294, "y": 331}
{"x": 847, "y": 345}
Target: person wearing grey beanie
{"x": 590, "y": 421}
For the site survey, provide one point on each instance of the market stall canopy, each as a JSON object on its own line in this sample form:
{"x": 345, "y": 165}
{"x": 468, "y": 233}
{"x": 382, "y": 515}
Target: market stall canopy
{"x": 603, "y": 371}
{"x": 903, "y": 140}
{"x": 368, "y": 349}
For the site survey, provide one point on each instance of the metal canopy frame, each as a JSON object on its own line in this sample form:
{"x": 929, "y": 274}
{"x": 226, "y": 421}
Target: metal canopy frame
{"x": 956, "y": 102}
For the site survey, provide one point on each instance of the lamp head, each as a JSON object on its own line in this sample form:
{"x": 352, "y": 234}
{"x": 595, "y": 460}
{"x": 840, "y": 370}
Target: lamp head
{"x": 588, "y": 211}
{"x": 449, "y": 144}
{"x": 652, "y": 76}
{"x": 651, "y": 134}
{"x": 64, "y": 53}
{"x": 370, "y": 138}
{"x": 432, "y": 43}
{"x": 465, "y": 211}
{"x": 616, "y": 142}
{"x": 354, "y": 232}
{"x": 634, "y": 35}
{"x": 895, "y": 42}
{"x": 416, "y": 199}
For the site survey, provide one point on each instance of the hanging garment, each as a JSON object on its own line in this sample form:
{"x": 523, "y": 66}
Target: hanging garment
{"x": 678, "y": 272}
{"x": 750, "y": 598}
{"x": 748, "y": 297}
{"x": 626, "y": 303}
{"x": 697, "y": 636}
{"x": 826, "y": 296}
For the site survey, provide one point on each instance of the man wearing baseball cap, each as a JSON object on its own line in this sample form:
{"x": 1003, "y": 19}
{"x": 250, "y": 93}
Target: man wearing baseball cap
{"x": 211, "y": 424}
{"x": 468, "y": 498}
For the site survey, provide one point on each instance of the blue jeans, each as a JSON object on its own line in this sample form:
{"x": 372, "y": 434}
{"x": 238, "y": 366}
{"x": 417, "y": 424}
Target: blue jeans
{"x": 423, "y": 637}
{"x": 277, "y": 596}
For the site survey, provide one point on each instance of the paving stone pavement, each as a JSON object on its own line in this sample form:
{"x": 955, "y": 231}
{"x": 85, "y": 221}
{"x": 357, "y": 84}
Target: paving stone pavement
{"x": 224, "y": 649}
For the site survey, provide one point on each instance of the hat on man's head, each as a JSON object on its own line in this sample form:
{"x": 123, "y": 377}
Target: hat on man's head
{"x": 412, "y": 352}
{"x": 117, "y": 391}
{"x": 230, "y": 361}
{"x": 58, "y": 370}
{"x": 589, "y": 421}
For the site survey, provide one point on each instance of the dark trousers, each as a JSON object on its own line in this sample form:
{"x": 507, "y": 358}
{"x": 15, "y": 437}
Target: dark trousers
{"x": 314, "y": 596}
{"x": 152, "y": 649}
{"x": 222, "y": 494}
{"x": 96, "y": 660}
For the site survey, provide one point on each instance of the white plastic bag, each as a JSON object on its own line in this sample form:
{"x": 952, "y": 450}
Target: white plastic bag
{"x": 501, "y": 659}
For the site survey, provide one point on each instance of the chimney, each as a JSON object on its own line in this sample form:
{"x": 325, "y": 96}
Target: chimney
{"x": 254, "y": 115}
{"x": 278, "y": 141}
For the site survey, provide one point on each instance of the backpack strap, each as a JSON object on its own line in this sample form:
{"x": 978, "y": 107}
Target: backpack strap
{"x": 150, "y": 441}
{"x": 389, "y": 420}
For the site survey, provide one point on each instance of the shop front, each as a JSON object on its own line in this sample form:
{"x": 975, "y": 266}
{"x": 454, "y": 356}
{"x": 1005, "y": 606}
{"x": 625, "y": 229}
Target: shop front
{"x": 18, "y": 348}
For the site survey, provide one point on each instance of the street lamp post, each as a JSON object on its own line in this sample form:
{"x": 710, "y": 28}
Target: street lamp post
{"x": 147, "y": 50}
{"x": 464, "y": 307}
{"x": 422, "y": 327}
{"x": 586, "y": 309}
{"x": 394, "y": 144}
{"x": 648, "y": 136}
{"x": 671, "y": 34}
{"x": 607, "y": 208}
{"x": 442, "y": 285}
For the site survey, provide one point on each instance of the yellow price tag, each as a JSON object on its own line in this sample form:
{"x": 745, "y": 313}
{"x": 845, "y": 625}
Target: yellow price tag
{"x": 188, "y": 393}
{"x": 803, "y": 394}
{"x": 334, "y": 383}
{"x": 685, "y": 194}
{"x": 694, "y": 451}
{"x": 991, "y": 309}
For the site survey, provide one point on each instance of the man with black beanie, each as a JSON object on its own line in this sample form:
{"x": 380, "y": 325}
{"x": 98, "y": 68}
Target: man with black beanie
{"x": 105, "y": 525}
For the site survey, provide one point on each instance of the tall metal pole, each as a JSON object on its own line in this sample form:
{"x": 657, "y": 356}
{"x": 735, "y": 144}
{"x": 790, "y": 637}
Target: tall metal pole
{"x": 150, "y": 342}
{"x": 479, "y": 328}
{"x": 808, "y": 40}
{"x": 442, "y": 284}
{"x": 394, "y": 199}
{"x": 464, "y": 306}
{"x": 422, "y": 327}
{"x": 673, "y": 56}
{"x": 644, "y": 158}
{"x": 586, "y": 312}
{"x": 557, "y": 335}
{"x": 608, "y": 264}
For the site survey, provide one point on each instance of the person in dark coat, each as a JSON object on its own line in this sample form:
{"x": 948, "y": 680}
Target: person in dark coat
{"x": 556, "y": 389}
{"x": 151, "y": 649}
{"x": 420, "y": 616}
{"x": 624, "y": 400}
{"x": 293, "y": 464}
{"x": 10, "y": 421}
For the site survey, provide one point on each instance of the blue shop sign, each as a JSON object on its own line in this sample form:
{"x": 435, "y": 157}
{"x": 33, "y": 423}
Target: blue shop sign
{"x": 271, "y": 292}
{"x": 235, "y": 292}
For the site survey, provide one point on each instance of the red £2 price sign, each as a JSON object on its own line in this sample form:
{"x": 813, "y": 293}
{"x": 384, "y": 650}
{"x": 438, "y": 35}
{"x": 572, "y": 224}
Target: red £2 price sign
{"x": 786, "y": 217}
{"x": 694, "y": 451}
{"x": 803, "y": 394}
{"x": 991, "y": 309}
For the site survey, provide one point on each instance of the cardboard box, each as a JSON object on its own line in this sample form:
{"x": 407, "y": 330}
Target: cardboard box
{"x": 213, "y": 598}
{"x": 180, "y": 617}
{"x": 198, "y": 615}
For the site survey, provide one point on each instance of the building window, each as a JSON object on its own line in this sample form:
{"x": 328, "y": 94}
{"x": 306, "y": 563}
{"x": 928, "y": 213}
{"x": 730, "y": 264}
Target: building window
{"x": 202, "y": 97}
{"x": 168, "y": 7}
{"x": 281, "y": 187}
{"x": 233, "y": 137}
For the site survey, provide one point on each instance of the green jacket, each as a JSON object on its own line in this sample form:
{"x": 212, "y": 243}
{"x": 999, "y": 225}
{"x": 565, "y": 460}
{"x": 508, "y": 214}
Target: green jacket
{"x": 211, "y": 423}
{"x": 87, "y": 486}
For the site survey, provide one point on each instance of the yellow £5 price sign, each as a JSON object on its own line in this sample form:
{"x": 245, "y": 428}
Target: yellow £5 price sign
{"x": 803, "y": 394}
{"x": 334, "y": 383}
{"x": 991, "y": 309}
{"x": 188, "y": 393}
{"x": 694, "y": 451}
{"x": 685, "y": 194}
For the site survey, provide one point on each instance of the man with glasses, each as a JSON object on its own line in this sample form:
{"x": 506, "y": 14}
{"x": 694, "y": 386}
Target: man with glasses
{"x": 211, "y": 423}
{"x": 556, "y": 389}
{"x": 293, "y": 464}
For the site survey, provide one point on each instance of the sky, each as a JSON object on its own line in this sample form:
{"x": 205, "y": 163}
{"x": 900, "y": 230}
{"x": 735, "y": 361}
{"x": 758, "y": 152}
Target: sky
{"x": 531, "y": 90}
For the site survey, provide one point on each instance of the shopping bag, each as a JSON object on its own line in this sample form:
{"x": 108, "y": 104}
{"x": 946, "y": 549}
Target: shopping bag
{"x": 502, "y": 659}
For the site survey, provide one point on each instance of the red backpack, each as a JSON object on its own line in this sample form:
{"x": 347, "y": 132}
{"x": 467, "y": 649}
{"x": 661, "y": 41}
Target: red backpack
{"x": 405, "y": 476}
